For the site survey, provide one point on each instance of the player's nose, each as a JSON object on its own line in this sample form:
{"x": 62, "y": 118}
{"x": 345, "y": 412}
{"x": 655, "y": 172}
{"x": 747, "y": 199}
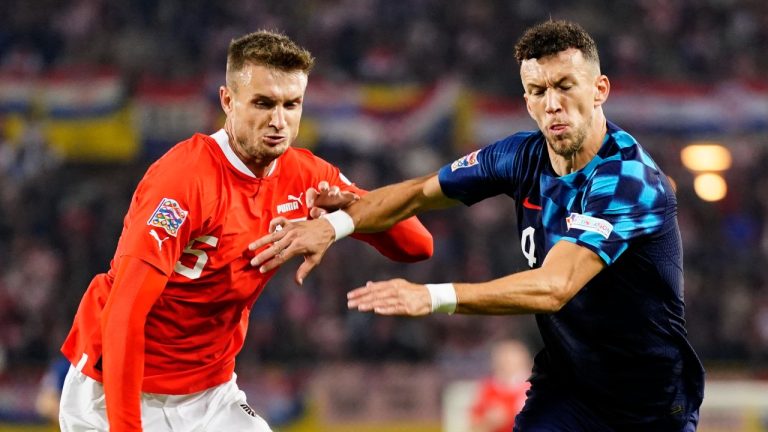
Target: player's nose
{"x": 552, "y": 101}
{"x": 277, "y": 119}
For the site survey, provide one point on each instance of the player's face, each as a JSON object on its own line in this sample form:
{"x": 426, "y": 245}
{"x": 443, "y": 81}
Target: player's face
{"x": 562, "y": 92}
{"x": 263, "y": 108}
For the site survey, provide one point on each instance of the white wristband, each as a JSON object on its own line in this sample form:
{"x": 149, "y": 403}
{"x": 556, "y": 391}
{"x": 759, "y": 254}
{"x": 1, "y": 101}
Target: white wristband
{"x": 342, "y": 223}
{"x": 443, "y": 297}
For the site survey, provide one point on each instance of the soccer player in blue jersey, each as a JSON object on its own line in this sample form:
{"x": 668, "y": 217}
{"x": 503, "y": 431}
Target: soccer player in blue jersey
{"x": 598, "y": 225}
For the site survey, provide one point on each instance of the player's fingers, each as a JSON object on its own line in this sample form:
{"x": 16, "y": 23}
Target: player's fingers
{"x": 359, "y": 291}
{"x": 273, "y": 252}
{"x": 334, "y": 191}
{"x": 366, "y": 296}
{"x": 376, "y": 302}
{"x": 347, "y": 198}
{"x": 388, "y": 310}
{"x": 278, "y": 259}
{"x": 277, "y": 224}
{"x": 267, "y": 239}
{"x": 316, "y": 212}
{"x": 323, "y": 186}
{"x": 304, "y": 269}
{"x": 310, "y": 195}
{"x": 279, "y": 251}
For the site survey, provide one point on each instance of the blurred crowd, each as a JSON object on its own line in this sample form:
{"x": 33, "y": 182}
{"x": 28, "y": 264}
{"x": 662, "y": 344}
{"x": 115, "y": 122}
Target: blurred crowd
{"x": 59, "y": 221}
{"x": 416, "y": 40}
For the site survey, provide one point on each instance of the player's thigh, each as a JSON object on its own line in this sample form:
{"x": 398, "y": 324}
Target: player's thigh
{"x": 82, "y": 407}
{"x": 549, "y": 411}
{"x": 232, "y": 413}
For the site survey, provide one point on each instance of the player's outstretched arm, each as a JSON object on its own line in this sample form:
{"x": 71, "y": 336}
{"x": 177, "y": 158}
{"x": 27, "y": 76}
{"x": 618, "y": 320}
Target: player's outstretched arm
{"x": 376, "y": 211}
{"x": 567, "y": 268}
{"x": 136, "y": 288}
{"x": 405, "y": 241}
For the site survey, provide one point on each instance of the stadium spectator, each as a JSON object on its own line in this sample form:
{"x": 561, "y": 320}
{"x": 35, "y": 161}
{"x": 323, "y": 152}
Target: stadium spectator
{"x": 502, "y": 394}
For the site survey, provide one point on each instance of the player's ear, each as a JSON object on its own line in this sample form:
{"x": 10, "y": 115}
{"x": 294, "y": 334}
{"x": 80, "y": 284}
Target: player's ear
{"x": 602, "y": 88}
{"x": 225, "y": 98}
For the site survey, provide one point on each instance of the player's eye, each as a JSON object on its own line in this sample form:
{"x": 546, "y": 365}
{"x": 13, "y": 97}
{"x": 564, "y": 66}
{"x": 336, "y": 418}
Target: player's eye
{"x": 261, "y": 103}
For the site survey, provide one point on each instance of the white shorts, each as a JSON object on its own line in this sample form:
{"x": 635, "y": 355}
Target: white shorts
{"x": 221, "y": 408}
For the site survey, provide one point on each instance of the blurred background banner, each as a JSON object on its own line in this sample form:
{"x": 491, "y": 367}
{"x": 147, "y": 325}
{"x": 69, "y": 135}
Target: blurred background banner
{"x": 82, "y": 115}
{"x": 167, "y": 110}
{"x": 93, "y": 91}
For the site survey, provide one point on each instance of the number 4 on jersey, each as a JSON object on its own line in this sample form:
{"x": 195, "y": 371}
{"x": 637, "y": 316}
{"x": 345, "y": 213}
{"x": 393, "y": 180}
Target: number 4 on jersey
{"x": 530, "y": 251}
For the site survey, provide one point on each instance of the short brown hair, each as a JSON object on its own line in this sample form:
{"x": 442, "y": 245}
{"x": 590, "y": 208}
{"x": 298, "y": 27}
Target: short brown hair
{"x": 271, "y": 49}
{"x": 551, "y": 37}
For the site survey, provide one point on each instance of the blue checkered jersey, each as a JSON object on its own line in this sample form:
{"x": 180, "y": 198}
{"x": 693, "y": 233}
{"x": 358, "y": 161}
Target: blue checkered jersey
{"x": 620, "y": 343}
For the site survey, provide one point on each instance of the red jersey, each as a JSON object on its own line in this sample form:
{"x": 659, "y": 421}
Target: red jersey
{"x": 192, "y": 217}
{"x": 505, "y": 397}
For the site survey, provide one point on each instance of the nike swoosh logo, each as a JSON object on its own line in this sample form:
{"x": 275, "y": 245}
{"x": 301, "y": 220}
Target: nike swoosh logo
{"x": 529, "y": 205}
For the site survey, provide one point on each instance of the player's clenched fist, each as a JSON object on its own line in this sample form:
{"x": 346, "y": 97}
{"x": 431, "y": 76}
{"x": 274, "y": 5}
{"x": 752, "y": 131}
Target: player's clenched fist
{"x": 392, "y": 297}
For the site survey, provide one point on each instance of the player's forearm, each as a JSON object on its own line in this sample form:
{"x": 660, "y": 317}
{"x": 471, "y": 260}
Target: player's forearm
{"x": 531, "y": 291}
{"x": 565, "y": 271}
{"x": 382, "y": 208}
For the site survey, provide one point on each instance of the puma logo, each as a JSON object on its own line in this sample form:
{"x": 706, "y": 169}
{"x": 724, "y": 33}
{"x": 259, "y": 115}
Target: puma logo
{"x": 296, "y": 198}
{"x": 294, "y": 203}
{"x": 157, "y": 238}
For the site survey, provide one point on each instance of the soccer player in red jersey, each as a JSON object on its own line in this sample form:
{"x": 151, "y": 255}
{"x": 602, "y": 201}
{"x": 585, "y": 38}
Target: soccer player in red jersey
{"x": 154, "y": 340}
{"x": 501, "y": 395}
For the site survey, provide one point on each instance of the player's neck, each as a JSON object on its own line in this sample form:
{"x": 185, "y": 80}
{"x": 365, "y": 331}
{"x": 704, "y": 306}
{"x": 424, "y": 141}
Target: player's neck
{"x": 592, "y": 142}
{"x": 260, "y": 171}
{"x": 260, "y": 167}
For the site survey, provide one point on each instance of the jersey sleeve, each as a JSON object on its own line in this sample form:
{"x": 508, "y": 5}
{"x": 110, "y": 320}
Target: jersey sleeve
{"x": 483, "y": 173}
{"x": 137, "y": 287}
{"x": 624, "y": 200}
{"x": 165, "y": 210}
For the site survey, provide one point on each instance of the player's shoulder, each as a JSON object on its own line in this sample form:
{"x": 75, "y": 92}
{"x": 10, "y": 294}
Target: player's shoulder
{"x": 623, "y": 147}
{"x": 196, "y": 150}
{"x": 301, "y": 155}
{"x": 519, "y": 140}
{"x": 191, "y": 165}
{"x": 303, "y": 159}
{"x": 626, "y": 171}
{"x": 521, "y": 148}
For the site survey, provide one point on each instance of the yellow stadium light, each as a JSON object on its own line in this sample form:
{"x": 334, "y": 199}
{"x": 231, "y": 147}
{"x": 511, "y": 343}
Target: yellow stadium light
{"x": 706, "y": 157}
{"x": 710, "y": 187}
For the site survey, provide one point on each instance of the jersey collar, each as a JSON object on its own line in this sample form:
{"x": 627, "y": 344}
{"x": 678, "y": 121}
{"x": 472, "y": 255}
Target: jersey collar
{"x": 222, "y": 139}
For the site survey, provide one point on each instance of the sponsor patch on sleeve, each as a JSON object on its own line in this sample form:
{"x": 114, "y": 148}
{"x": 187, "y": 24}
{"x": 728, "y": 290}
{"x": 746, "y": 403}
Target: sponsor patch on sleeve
{"x": 466, "y": 161}
{"x": 168, "y": 216}
{"x": 589, "y": 223}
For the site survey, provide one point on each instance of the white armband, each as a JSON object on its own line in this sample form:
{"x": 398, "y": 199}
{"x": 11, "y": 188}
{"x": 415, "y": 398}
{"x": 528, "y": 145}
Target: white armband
{"x": 342, "y": 223}
{"x": 443, "y": 297}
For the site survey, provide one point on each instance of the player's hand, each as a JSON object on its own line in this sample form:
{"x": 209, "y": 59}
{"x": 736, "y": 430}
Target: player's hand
{"x": 392, "y": 297}
{"x": 289, "y": 239}
{"x": 327, "y": 198}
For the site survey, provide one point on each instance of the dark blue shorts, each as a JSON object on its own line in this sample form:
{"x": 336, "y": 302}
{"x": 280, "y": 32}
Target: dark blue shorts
{"x": 548, "y": 411}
